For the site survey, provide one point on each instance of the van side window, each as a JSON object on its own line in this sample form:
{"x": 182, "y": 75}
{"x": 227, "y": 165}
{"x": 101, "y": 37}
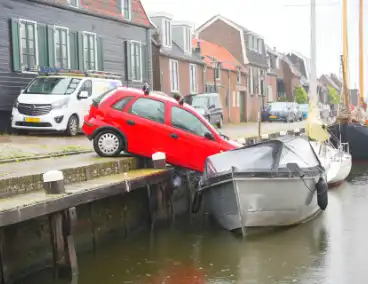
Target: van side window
{"x": 87, "y": 86}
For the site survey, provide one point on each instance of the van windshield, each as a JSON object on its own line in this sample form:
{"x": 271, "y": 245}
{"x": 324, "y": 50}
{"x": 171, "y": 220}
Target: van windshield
{"x": 52, "y": 86}
{"x": 199, "y": 102}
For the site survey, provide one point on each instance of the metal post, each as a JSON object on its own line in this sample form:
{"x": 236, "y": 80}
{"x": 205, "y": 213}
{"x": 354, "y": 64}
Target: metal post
{"x": 313, "y": 72}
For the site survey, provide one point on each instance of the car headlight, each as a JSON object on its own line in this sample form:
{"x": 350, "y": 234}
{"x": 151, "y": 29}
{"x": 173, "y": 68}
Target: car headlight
{"x": 60, "y": 104}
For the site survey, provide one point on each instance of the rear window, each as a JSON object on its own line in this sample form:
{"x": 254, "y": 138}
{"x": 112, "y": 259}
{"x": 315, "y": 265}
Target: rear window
{"x": 104, "y": 96}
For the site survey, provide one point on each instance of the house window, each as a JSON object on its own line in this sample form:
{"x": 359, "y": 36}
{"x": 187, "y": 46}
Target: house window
{"x": 61, "y": 47}
{"x": 250, "y": 42}
{"x": 251, "y": 85}
{"x": 187, "y": 40}
{"x": 269, "y": 64}
{"x": 260, "y": 46}
{"x": 74, "y": 3}
{"x": 126, "y": 9}
{"x": 270, "y": 95}
{"x": 193, "y": 78}
{"x": 238, "y": 76}
{"x": 255, "y": 44}
{"x": 28, "y": 45}
{"x": 136, "y": 61}
{"x": 90, "y": 51}
{"x": 217, "y": 71}
{"x": 277, "y": 63}
{"x": 166, "y": 33}
{"x": 174, "y": 75}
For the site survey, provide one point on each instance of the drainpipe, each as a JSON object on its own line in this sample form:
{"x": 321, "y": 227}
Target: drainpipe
{"x": 229, "y": 99}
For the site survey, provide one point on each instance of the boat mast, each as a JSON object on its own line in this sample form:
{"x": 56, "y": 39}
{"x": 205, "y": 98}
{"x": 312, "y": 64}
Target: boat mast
{"x": 361, "y": 56}
{"x": 313, "y": 70}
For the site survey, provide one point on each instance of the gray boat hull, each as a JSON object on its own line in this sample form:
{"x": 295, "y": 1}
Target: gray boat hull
{"x": 262, "y": 202}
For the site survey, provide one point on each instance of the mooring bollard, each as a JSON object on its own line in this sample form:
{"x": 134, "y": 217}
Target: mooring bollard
{"x": 159, "y": 160}
{"x": 53, "y": 182}
{"x": 62, "y": 225}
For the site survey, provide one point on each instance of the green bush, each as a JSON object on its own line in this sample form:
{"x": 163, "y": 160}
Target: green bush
{"x": 301, "y": 96}
{"x": 333, "y": 97}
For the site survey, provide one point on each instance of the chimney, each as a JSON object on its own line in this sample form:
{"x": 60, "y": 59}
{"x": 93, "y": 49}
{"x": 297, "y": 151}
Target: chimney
{"x": 197, "y": 49}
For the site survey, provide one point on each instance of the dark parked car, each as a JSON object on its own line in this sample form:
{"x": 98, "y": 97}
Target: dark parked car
{"x": 285, "y": 111}
{"x": 209, "y": 105}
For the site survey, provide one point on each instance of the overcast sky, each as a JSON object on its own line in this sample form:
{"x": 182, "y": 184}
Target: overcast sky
{"x": 283, "y": 23}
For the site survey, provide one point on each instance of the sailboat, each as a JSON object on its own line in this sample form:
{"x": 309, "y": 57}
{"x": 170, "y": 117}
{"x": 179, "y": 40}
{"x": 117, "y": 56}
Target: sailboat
{"x": 349, "y": 128}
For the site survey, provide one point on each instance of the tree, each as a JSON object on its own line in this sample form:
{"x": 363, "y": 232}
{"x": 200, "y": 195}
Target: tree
{"x": 301, "y": 96}
{"x": 333, "y": 97}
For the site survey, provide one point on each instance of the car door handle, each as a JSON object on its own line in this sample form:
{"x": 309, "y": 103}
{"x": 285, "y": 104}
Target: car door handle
{"x": 174, "y": 135}
{"x": 130, "y": 122}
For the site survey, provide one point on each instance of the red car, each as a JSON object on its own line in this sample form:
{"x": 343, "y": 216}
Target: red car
{"x": 142, "y": 123}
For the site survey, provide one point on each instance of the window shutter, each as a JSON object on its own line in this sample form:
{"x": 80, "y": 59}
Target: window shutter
{"x": 15, "y": 45}
{"x": 73, "y": 50}
{"x": 144, "y": 63}
{"x": 51, "y": 45}
{"x": 100, "y": 54}
{"x": 42, "y": 45}
{"x": 80, "y": 51}
{"x": 128, "y": 63}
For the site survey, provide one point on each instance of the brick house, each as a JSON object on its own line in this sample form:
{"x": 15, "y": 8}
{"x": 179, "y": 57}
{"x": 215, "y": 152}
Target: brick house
{"x": 248, "y": 48}
{"x": 329, "y": 80}
{"x": 273, "y": 62}
{"x": 302, "y": 64}
{"x": 292, "y": 77}
{"x": 177, "y": 67}
{"x": 224, "y": 75}
{"x": 72, "y": 34}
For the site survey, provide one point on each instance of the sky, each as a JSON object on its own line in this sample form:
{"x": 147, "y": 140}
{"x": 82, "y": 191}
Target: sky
{"x": 285, "y": 24}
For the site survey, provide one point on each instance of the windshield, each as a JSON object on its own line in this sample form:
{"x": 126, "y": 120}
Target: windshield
{"x": 200, "y": 102}
{"x": 278, "y": 106}
{"x": 52, "y": 86}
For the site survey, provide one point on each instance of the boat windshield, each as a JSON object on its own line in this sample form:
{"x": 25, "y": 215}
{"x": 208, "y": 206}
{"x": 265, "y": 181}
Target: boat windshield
{"x": 264, "y": 157}
{"x": 52, "y": 86}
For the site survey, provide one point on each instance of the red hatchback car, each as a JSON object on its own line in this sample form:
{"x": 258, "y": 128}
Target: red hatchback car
{"x": 142, "y": 123}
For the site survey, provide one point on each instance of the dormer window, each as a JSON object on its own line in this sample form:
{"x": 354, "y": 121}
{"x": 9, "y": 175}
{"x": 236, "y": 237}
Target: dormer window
{"x": 73, "y": 3}
{"x": 166, "y": 33}
{"x": 187, "y": 40}
{"x": 260, "y": 46}
{"x": 255, "y": 44}
{"x": 126, "y": 9}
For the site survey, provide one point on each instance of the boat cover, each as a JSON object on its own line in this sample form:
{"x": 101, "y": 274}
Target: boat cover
{"x": 268, "y": 158}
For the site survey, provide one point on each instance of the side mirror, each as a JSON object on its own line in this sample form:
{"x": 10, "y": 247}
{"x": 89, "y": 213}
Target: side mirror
{"x": 83, "y": 95}
{"x": 209, "y": 136}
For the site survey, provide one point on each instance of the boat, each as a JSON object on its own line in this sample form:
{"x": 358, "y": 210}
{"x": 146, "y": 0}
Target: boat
{"x": 268, "y": 184}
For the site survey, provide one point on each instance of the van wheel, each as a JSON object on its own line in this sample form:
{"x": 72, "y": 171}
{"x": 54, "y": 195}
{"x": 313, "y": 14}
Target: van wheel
{"x": 73, "y": 126}
{"x": 220, "y": 123}
{"x": 108, "y": 143}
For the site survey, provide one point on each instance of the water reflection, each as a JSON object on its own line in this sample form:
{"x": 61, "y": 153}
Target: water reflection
{"x": 330, "y": 249}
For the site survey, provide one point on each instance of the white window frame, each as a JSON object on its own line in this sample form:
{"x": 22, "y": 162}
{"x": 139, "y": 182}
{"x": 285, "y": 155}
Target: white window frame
{"x": 187, "y": 32}
{"x": 277, "y": 62}
{"x": 35, "y": 42}
{"x": 217, "y": 66}
{"x": 130, "y": 10}
{"x": 132, "y": 43}
{"x": 96, "y": 51}
{"x": 250, "y": 42}
{"x": 251, "y": 86}
{"x": 255, "y": 44}
{"x": 75, "y": 6}
{"x": 260, "y": 47}
{"x": 259, "y": 81}
{"x": 67, "y": 43}
{"x": 270, "y": 94}
{"x": 176, "y": 76}
{"x": 167, "y": 42}
{"x": 238, "y": 77}
{"x": 193, "y": 79}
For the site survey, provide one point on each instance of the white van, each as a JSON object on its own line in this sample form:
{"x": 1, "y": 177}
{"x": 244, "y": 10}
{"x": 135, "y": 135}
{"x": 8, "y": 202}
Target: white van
{"x": 59, "y": 101}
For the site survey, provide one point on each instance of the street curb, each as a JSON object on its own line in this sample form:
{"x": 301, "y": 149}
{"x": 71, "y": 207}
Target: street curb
{"x": 270, "y": 136}
{"x": 40, "y": 157}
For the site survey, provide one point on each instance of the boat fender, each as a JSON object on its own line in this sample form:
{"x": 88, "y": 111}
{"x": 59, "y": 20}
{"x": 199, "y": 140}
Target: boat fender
{"x": 322, "y": 193}
{"x": 197, "y": 201}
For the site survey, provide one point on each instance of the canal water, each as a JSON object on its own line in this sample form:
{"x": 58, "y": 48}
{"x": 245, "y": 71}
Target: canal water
{"x": 331, "y": 249}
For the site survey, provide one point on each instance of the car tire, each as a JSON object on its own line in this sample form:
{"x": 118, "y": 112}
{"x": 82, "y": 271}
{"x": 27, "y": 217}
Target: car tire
{"x": 108, "y": 143}
{"x": 220, "y": 123}
{"x": 72, "y": 127}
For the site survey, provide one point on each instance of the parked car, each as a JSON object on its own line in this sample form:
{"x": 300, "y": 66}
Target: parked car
{"x": 304, "y": 109}
{"x": 59, "y": 100}
{"x": 142, "y": 123}
{"x": 284, "y": 111}
{"x": 209, "y": 105}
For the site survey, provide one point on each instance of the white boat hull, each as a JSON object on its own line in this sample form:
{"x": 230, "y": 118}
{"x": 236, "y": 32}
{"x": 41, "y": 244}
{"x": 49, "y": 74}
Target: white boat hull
{"x": 262, "y": 202}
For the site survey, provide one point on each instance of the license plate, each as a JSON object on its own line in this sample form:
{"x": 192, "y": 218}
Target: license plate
{"x": 31, "y": 119}
{"x": 272, "y": 116}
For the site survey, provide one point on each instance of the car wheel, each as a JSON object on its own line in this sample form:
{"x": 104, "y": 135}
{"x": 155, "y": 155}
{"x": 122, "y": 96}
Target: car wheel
{"x": 108, "y": 143}
{"x": 220, "y": 123}
{"x": 73, "y": 126}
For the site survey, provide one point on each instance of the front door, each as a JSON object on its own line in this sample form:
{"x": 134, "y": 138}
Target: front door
{"x": 242, "y": 100}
